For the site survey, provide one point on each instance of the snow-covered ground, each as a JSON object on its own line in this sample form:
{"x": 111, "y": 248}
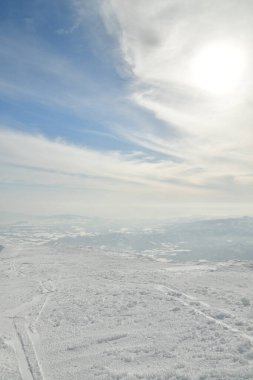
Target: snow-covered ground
{"x": 79, "y": 313}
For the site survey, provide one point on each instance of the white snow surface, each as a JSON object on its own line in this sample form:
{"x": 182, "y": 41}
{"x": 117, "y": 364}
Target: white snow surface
{"x": 85, "y": 314}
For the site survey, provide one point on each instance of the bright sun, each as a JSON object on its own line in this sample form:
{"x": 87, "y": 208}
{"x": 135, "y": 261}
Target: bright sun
{"x": 219, "y": 67}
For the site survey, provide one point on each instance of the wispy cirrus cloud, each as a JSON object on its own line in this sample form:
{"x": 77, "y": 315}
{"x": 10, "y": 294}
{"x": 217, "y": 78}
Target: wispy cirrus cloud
{"x": 158, "y": 41}
{"x": 36, "y": 152}
{"x": 51, "y": 171}
{"x": 60, "y": 159}
{"x": 117, "y": 114}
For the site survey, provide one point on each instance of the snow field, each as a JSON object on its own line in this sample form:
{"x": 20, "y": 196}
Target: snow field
{"x": 84, "y": 314}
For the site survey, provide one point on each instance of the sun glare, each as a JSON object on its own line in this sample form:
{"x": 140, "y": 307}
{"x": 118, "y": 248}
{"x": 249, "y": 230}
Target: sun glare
{"x": 219, "y": 67}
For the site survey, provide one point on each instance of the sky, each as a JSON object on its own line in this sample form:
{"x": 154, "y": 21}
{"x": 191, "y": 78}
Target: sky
{"x": 126, "y": 108}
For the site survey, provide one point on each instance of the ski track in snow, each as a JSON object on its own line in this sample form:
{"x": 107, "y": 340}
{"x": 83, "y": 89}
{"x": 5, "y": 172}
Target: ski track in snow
{"x": 25, "y": 351}
{"x": 176, "y": 295}
{"x": 25, "y": 338}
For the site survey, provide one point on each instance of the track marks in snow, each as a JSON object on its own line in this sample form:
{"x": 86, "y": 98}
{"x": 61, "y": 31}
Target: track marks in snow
{"x": 25, "y": 351}
{"x": 200, "y": 308}
{"x": 111, "y": 338}
{"x": 24, "y": 340}
{"x": 33, "y": 325}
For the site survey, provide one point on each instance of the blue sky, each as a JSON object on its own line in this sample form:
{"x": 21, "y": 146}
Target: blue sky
{"x": 56, "y": 80}
{"x": 105, "y": 106}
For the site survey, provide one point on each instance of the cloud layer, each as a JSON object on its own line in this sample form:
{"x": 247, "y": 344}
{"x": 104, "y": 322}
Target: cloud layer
{"x": 125, "y": 78}
{"x": 158, "y": 41}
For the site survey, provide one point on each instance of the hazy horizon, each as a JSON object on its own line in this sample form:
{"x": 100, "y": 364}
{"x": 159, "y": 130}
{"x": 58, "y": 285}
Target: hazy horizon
{"x": 138, "y": 213}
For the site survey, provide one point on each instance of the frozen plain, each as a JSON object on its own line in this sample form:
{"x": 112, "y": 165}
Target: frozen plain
{"x": 86, "y": 313}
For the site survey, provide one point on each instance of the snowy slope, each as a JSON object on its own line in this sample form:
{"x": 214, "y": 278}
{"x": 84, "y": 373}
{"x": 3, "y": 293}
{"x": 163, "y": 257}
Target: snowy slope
{"x": 84, "y": 314}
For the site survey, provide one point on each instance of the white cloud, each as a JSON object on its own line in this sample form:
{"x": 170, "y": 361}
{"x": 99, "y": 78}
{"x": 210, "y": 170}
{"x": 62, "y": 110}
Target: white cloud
{"x": 39, "y": 153}
{"x": 36, "y": 152}
{"x": 158, "y": 41}
{"x": 202, "y": 150}
{"x": 39, "y": 175}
